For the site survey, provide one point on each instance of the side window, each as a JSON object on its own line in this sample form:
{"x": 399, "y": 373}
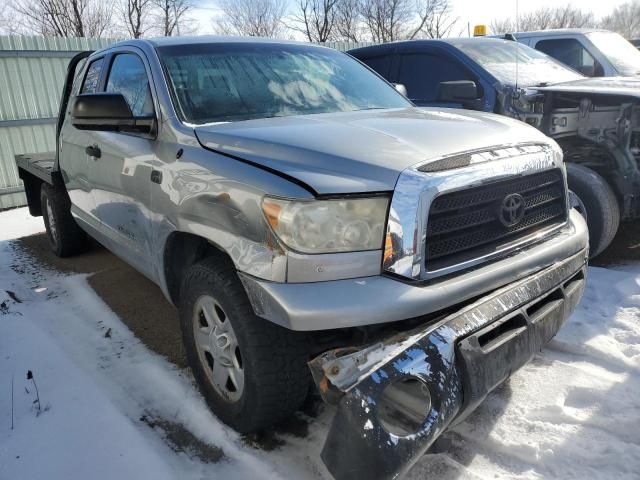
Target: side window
{"x": 92, "y": 77}
{"x": 381, "y": 64}
{"x": 570, "y": 52}
{"x": 128, "y": 77}
{"x": 422, "y": 73}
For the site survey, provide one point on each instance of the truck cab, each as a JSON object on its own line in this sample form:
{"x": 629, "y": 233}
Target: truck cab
{"x": 592, "y": 52}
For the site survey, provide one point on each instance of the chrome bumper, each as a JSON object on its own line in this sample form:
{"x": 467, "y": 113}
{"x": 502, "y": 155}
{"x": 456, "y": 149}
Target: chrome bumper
{"x": 381, "y": 298}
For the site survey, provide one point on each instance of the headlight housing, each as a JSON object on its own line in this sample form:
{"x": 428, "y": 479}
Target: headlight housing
{"x": 328, "y": 226}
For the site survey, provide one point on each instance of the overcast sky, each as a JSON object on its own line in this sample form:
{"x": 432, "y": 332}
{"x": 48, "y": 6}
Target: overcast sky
{"x": 470, "y": 11}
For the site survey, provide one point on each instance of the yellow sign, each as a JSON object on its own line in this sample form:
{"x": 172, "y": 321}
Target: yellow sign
{"x": 479, "y": 30}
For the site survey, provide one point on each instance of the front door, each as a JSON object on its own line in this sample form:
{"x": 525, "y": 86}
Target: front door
{"x": 422, "y": 71}
{"x": 120, "y": 170}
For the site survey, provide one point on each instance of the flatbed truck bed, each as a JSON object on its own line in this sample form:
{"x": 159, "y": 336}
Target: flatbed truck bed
{"x": 41, "y": 165}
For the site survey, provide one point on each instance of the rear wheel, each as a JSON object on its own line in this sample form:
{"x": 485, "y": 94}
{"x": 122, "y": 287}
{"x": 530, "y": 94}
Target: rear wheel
{"x": 251, "y": 372}
{"x": 592, "y": 196}
{"x": 65, "y": 236}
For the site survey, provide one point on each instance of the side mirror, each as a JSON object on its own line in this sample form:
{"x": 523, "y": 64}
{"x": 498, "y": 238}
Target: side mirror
{"x": 598, "y": 70}
{"x": 107, "y": 112}
{"x": 400, "y": 88}
{"x": 457, "y": 91}
{"x": 588, "y": 70}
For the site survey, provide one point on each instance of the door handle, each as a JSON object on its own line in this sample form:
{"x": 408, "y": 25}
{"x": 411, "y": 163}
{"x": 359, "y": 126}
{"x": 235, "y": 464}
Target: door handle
{"x": 156, "y": 176}
{"x": 93, "y": 151}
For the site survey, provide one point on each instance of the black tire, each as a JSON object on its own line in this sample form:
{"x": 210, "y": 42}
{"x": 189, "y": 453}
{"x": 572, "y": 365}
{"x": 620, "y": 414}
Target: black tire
{"x": 274, "y": 359}
{"x": 65, "y": 236}
{"x": 600, "y": 203}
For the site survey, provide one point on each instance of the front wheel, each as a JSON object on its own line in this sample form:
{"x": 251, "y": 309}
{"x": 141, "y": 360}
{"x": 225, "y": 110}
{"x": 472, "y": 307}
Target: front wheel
{"x": 251, "y": 372}
{"x": 592, "y": 196}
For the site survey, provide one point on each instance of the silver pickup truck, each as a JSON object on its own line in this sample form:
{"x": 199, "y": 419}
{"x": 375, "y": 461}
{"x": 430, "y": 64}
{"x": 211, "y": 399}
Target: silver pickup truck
{"x": 309, "y": 222}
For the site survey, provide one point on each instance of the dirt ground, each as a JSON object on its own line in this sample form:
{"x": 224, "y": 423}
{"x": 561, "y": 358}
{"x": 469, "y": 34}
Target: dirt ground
{"x": 142, "y": 307}
{"x": 135, "y": 299}
{"x": 624, "y": 248}
{"x": 140, "y": 304}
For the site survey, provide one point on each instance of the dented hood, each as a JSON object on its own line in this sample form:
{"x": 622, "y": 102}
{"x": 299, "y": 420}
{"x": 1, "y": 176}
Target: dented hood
{"x": 365, "y": 151}
{"x": 619, "y": 86}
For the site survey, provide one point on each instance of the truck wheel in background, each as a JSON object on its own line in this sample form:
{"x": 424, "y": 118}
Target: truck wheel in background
{"x": 600, "y": 205}
{"x": 251, "y": 372}
{"x": 65, "y": 236}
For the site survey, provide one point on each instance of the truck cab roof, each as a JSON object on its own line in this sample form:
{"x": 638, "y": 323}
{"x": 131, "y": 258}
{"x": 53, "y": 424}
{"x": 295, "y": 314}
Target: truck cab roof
{"x": 203, "y": 40}
{"x": 554, "y": 32}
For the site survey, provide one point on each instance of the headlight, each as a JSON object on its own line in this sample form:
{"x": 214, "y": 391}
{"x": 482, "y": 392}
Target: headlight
{"x": 328, "y": 226}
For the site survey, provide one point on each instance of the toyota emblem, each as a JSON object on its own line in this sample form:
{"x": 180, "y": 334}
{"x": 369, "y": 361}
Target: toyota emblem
{"x": 511, "y": 210}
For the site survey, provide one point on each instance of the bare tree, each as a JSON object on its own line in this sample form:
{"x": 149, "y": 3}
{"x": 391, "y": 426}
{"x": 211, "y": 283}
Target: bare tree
{"x": 389, "y": 20}
{"x": 136, "y": 16}
{"x": 500, "y": 26}
{"x": 316, "y": 19}
{"x": 572, "y": 17}
{"x": 625, "y": 19}
{"x": 8, "y": 25}
{"x": 386, "y": 20}
{"x": 545, "y": 18}
{"x": 172, "y": 16}
{"x": 437, "y": 19}
{"x": 347, "y": 22}
{"x": 65, "y": 18}
{"x": 255, "y": 18}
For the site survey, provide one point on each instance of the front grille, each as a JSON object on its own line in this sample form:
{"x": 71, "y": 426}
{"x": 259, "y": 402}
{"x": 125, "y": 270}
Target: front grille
{"x": 471, "y": 223}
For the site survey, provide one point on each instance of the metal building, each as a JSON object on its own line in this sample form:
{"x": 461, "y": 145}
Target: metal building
{"x": 32, "y": 72}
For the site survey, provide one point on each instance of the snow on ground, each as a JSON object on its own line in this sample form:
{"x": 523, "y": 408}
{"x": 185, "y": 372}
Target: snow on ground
{"x": 111, "y": 408}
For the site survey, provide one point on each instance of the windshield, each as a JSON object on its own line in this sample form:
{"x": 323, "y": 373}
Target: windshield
{"x": 231, "y": 82}
{"x": 533, "y": 67}
{"x": 622, "y": 55}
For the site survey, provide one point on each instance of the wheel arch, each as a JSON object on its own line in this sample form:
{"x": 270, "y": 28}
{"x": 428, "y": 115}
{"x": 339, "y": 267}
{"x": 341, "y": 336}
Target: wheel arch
{"x": 592, "y": 155}
{"x": 181, "y": 251}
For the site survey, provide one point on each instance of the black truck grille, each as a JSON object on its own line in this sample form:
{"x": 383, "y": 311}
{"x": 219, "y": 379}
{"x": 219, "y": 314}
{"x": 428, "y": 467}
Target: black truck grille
{"x": 471, "y": 223}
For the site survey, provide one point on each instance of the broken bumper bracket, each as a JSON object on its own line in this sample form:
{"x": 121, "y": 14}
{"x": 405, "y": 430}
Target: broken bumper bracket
{"x": 460, "y": 358}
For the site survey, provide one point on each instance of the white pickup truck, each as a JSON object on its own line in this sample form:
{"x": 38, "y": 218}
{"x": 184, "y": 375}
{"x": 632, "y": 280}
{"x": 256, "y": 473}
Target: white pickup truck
{"x": 592, "y": 52}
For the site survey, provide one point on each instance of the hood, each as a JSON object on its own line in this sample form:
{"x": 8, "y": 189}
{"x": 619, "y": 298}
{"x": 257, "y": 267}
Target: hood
{"x": 619, "y": 86}
{"x": 365, "y": 151}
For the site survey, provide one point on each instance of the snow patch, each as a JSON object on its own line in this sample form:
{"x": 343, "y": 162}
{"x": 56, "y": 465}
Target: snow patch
{"x": 572, "y": 413}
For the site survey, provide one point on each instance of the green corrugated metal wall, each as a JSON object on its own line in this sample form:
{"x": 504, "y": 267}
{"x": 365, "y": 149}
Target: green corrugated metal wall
{"x": 32, "y": 73}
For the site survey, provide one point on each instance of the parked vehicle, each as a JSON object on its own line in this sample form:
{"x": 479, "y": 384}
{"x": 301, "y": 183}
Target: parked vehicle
{"x": 592, "y": 52}
{"x": 307, "y": 220}
{"x": 595, "y": 121}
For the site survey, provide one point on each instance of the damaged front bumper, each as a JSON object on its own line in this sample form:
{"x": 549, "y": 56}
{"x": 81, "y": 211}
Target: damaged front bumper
{"x": 396, "y": 397}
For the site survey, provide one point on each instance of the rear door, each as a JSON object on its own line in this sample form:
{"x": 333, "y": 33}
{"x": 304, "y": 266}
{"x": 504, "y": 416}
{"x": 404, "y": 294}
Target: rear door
{"x": 74, "y": 160}
{"x": 120, "y": 175}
